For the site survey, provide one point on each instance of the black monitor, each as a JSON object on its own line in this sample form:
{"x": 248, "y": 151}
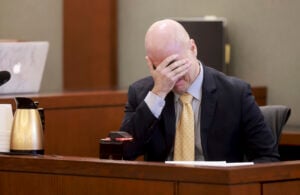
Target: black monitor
{"x": 210, "y": 40}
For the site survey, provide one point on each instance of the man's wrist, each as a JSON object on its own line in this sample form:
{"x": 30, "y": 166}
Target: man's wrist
{"x": 159, "y": 93}
{"x": 155, "y": 103}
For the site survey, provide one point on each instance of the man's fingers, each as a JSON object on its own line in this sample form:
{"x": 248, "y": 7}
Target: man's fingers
{"x": 179, "y": 71}
{"x": 168, "y": 61}
{"x": 178, "y": 64}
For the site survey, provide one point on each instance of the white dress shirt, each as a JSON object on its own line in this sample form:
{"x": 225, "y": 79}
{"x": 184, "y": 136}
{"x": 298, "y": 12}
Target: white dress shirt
{"x": 156, "y": 104}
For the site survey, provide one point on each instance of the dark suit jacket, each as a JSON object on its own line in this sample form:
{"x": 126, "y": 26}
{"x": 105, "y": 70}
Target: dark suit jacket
{"x": 232, "y": 125}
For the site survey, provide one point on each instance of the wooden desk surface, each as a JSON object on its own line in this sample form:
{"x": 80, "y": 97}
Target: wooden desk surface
{"x": 73, "y": 99}
{"x": 69, "y": 175}
{"x": 91, "y": 98}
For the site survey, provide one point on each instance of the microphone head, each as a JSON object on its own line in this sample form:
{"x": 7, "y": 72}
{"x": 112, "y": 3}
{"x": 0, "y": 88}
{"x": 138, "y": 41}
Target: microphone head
{"x": 4, "y": 77}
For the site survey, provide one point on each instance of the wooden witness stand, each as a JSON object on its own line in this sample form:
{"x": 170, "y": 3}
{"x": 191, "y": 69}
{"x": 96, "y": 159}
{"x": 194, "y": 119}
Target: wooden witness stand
{"x": 74, "y": 124}
{"x": 77, "y": 175}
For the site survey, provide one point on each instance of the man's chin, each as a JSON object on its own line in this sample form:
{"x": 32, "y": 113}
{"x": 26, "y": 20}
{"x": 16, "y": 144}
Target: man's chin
{"x": 180, "y": 87}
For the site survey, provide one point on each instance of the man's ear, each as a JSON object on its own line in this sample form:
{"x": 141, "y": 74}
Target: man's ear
{"x": 149, "y": 63}
{"x": 193, "y": 47}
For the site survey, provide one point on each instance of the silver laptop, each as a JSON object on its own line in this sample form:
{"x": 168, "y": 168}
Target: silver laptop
{"x": 26, "y": 62}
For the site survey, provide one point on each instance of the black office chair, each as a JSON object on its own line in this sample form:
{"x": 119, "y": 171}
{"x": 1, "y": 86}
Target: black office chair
{"x": 276, "y": 117}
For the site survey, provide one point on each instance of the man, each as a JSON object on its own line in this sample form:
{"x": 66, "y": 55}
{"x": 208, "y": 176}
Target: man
{"x": 228, "y": 125}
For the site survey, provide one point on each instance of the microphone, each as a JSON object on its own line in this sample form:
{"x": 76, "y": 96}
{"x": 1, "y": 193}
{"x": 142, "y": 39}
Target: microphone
{"x": 4, "y": 77}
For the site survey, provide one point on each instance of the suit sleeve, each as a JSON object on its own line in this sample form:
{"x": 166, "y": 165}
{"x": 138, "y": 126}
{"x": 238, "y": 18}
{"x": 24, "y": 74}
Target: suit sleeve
{"x": 261, "y": 145}
{"x": 139, "y": 122}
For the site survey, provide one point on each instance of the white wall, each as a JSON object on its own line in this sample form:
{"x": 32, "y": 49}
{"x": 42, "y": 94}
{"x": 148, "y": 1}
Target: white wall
{"x": 263, "y": 34}
{"x": 36, "y": 20}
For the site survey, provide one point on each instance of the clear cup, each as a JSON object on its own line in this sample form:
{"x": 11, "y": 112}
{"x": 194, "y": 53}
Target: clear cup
{"x": 6, "y": 120}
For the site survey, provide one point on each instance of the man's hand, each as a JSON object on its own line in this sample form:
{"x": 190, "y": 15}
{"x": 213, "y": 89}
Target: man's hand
{"x": 166, "y": 74}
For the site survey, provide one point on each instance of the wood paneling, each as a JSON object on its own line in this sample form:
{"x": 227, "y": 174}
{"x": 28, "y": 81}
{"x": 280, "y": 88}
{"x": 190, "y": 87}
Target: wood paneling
{"x": 48, "y": 174}
{"x": 75, "y": 122}
{"x": 114, "y": 186}
{"x": 195, "y": 189}
{"x": 279, "y": 188}
{"x": 37, "y": 184}
{"x": 289, "y": 145}
{"x": 28, "y": 183}
{"x": 260, "y": 94}
{"x": 78, "y": 131}
{"x": 290, "y": 137}
{"x": 90, "y": 34}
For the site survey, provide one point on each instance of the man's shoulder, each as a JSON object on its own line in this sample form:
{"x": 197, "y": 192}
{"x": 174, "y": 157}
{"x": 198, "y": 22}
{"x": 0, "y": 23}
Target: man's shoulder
{"x": 143, "y": 83}
{"x": 140, "y": 88}
{"x": 223, "y": 79}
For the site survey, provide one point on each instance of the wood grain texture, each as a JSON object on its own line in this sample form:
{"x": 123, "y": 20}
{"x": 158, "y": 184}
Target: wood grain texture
{"x": 195, "y": 189}
{"x": 290, "y": 137}
{"x": 75, "y": 122}
{"x": 260, "y": 94}
{"x": 279, "y": 188}
{"x": 68, "y": 175}
{"x": 90, "y": 44}
{"x": 36, "y": 184}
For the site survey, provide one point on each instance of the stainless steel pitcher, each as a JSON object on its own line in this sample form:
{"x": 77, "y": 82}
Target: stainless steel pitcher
{"x": 27, "y": 129}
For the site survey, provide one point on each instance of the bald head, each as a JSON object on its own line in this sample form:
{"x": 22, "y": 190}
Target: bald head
{"x": 165, "y": 37}
{"x": 171, "y": 57}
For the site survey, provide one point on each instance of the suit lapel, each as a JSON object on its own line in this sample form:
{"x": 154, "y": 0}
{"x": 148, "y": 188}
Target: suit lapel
{"x": 169, "y": 119}
{"x": 208, "y": 106}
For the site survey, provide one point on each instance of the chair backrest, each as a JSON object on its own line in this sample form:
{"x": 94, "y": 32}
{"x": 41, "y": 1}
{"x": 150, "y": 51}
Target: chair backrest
{"x": 276, "y": 117}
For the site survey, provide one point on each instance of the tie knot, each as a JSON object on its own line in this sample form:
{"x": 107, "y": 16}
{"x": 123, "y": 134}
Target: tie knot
{"x": 186, "y": 98}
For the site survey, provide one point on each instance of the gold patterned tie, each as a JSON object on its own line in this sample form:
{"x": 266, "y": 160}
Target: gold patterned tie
{"x": 184, "y": 149}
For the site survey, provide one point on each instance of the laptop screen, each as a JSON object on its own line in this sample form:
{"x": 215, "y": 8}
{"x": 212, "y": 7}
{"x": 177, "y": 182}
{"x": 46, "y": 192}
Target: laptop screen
{"x": 25, "y": 61}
